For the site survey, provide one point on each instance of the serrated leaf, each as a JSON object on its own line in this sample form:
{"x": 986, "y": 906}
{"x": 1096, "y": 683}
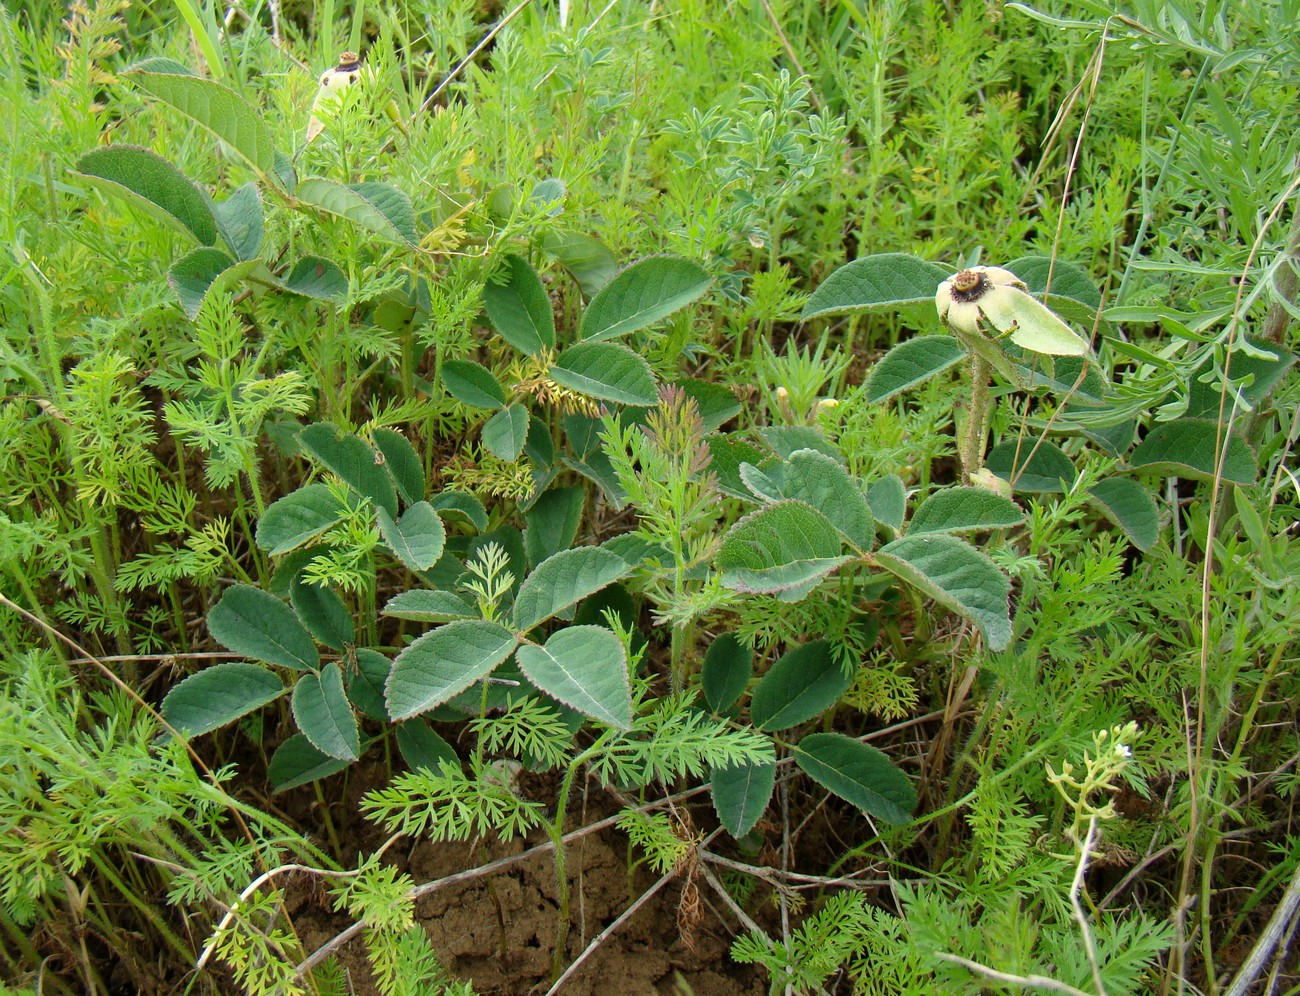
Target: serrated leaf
{"x": 403, "y": 463}
{"x": 552, "y": 522}
{"x": 1032, "y": 465}
{"x": 597, "y": 469}
{"x": 256, "y": 624}
{"x": 1131, "y": 507}
{"x": 366, "y": 683}
{"x": 717, "y": 404}
{"x": 857, "y": 773}
{"x": 520, "y": 309}
{"x": 779, "y": 547}
{"x": 585, "y": 667}
{"x": 885, "y": 280}
{"x": 587, "y": 260}
{"x": 563, "y": 580}
{"x": 324, "y": 715}
{"x": 608, "y": 371}
{"x": 728, "y": 666}
{"x": 505, "y": 432}
{"x": 472, "y": 384}
{"x": 956, "y": 575}
{"x": 239, "y": 220}
{"x": 417, "y": 538}
{"x": 297, "y": 518}
{"x": 218, "y": 695}
{"x": 741, "y": 793}
{"x": 888, "y": 500}
{"x": 422, "y": 748}
{"x": 217, "y": 108}
{"x": 353, "y": 461}
{"x": 1188, "y": 447}
{"x": 824, "y": 484}
{"x": 378, "y": 207}
{"x": 317, "y": 278}
{"x": 201, "y": 271}
{"x": 641, "y": 295}
{"x": 152, "y": 184}
{"x": 728, "y": 454}
{"x": 323, "y": 612}
{"x": 296, "y": 762}
{"x": 959, "y": 509}
{"x": 422, "y": 605}
{"x": 804, "y": 683}
{"x": 912, "y": 362}
{"x": 444, "y": 662}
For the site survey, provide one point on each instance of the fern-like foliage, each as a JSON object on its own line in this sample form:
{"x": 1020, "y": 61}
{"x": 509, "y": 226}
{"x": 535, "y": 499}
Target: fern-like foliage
{"x": 450, "y": 805}
{"x": 657, "y": 835}
{"x": 675, "y": 739}
{"x": 828, "y": 938}
{"x": 528, "y": 728}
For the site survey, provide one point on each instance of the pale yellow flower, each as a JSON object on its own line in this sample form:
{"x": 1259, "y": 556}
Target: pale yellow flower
{"x": 1000, "y": 298}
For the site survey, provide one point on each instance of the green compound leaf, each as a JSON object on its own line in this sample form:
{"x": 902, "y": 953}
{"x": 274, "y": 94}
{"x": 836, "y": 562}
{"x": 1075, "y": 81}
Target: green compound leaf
{"x": 256, "y": 624}
{"x": 353, "y": 461}
{"x": 378, "y": 207}
{"x": 297, "y": 518}
{"x": 1188, "y": 447}
{"x": 1032, "y": 465}
{"x": 219, "y": 695}
{"x": 472, "y": 384}
{"x": 886, "y": 280}
{"x": 520, "y": 310}
{"x": 149, "y": 182}
{"x": 366, "y": 683}
{"x": 422, "y": 605}
{"x": 778, "y": 548}
{"x": 961, "y": 509}
{"x": 888, "y": 500}
{"x": 728, "y": 666}
{"x": 324, "y": 715}
{"x": 741, "y": 793}
{"x": 443, "y": 663}
{"x": 587, "y": 260}
{"x": 857, "y": 773}
{"x": 460, "y": 505}
{"x": 218, "y": 109}
{"x": 823, "y": 483}
{"x": 505, "y": 433}
{"x": 552, "y": 522}
{"x": 804, "y": 683}
{"x": 563, "y": 580}
{"x": 297, "y": 762}
{"x": 641, "y": 295}
{"x": 402, "y": 462}
{"x": 239, "y": 220}
{"x": 317, "y": 278}
{"x": 585, "y": 667}
{"x": 956, "y": 575}
{"x": 323, "y": 612}
{"x": 422, "y": 748}
{"x": 608, "y": 371}
{"x": 201, "y": 271}
{"x": 910, "y": 363}
{"x": 1130, "y": 506}
{"x": 417, "y": 538}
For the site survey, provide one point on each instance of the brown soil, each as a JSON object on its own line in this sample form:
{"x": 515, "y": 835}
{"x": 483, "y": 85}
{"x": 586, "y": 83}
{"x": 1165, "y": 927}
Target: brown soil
{"x": 498, "y": 931}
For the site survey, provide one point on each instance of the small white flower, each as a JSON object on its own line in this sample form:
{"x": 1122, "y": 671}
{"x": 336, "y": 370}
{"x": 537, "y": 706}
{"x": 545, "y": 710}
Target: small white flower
{"x": 999, "y": 297}
{"x": 1124, "y": 751}
{"x": 975, "y": 293}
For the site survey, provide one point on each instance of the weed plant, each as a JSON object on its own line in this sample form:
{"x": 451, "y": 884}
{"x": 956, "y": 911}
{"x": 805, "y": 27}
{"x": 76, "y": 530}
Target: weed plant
{"x": 569, "y": 395}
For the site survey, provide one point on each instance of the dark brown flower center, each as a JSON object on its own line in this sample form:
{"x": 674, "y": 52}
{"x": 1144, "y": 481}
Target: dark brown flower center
{"x": 968, "y": 286}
